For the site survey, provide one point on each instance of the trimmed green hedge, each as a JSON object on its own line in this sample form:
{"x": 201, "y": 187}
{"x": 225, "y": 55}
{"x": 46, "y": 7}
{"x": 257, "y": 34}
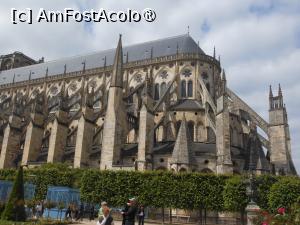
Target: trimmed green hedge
{"x": 46, "y": 175}
{"x": 284, "y": 193}
{"x": 234, "y": 194}
{"x": 158, "y": 189}
{"x": 163, "y": 189}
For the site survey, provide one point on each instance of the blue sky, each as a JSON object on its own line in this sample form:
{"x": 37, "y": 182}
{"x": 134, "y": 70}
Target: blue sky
{"x": 258, "y": 40}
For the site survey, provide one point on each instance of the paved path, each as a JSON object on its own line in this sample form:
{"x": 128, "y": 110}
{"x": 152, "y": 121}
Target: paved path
{"x": 87, "y": 222}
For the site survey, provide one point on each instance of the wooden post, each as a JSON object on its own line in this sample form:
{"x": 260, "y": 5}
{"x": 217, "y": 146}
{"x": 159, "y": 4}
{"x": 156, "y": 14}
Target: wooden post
{"x": 163, "y": 215}
{"x": 170, "y": 216}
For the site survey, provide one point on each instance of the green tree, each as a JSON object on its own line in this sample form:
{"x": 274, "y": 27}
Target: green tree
{"x": 263, "y": 185}
{"x": 284, "y": 193}
{"x": 14, "y": 209}
{"x": 234, "y": 194}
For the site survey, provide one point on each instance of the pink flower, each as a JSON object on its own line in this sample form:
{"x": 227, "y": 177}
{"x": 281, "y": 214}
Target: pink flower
{"x": 281, "y": 210}
{"x": 264, "y": 223}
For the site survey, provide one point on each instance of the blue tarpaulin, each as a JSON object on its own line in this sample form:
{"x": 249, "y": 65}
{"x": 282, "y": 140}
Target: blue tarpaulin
{"x": 63, "y": 195}
{"x": 66, "y": 195}
{"x": 6, "y": 186}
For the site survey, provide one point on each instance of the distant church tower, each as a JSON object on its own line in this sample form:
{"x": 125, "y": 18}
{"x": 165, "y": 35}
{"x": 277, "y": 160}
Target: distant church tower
{"x": 115, "y": 118}
{"x": 279, "y": 135}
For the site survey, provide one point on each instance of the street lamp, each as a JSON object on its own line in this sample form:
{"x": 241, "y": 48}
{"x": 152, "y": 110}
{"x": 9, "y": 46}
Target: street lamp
{"x": 251, "y": 193}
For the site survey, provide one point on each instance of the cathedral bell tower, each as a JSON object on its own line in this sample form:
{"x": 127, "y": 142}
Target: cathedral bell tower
{"x": 279, "y": 135}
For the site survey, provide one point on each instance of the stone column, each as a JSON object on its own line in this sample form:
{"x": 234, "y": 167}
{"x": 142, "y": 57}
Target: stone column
{"x": 11, "y": 142}
{"x": 252, "y": 211}
{"x": 145, "y": 146}
{"x": 84, "y": 140}
{"x": 224, "y": 162}
{"x": 34, "y": 137}
{"x": 58, "y": 137}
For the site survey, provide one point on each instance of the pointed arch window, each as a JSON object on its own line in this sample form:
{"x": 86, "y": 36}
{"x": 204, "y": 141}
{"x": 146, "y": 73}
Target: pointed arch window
{"x": 208, "y": 87}
{"x": 178, "y": 123}
{"x": 190, "y": 88}
{"x": 183, "y": 88}
{"x": 71, "y": 139}
{"x": 156, "y": 92}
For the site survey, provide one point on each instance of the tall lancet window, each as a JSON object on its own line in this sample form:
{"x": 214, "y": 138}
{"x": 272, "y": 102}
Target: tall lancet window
{"x": 183, "y": 88}
{"x": 190, "y": 88}
{"x": 208, "y": 87}
{"x": 178, "y": 123}
{"x": 162, "y": 88}
{"x": 191, "y": 129}
{"x": 156, "y": 92}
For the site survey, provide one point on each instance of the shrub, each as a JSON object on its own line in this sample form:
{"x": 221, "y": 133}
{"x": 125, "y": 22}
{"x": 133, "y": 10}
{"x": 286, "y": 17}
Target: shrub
{"x": 14, "y": 209}
{"x": 2, "y": 207}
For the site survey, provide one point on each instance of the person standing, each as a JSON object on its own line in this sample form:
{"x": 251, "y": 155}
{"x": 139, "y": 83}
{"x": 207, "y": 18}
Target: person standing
{"x": 124, "y": 210}
{"x": 92, "y": 212}
{"x": 107, "y": 218}
{"x": 68, "y": 212}
{"x": 39, "y": 209}
{"x": 74, "y": 212}
{"x": 100, "y": 212}
{"x": 80, "y": 212}
{"x": 141, "y": 215}
{"x": 131, "y": 212}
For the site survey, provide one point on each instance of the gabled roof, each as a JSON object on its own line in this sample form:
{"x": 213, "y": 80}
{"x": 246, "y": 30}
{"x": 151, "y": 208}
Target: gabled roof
{"x": 182, "y": 153}
{"x": 187, "y": 104}
{"x": 136, "y": 52}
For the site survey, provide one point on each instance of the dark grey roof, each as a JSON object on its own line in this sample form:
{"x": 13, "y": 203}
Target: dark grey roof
{"x": 163, "y": 147}
{"x": 201, "y": 147}
{"x": 130, "y": 149}
{"x": 161, "y": 47}
{"x": 187, "y": 104}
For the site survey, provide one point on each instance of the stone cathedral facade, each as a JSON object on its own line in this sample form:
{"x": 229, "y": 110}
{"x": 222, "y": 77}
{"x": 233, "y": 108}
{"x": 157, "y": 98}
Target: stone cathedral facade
{"x": 158, "y": 105}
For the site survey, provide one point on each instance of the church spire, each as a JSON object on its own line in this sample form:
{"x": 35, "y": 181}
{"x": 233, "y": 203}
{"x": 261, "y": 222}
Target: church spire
{"x": 279, "y": 90}
{"x": 117, "y": 74}
{"x": 280, "y": 96}
{"x": 182, "y": 150}
{"x": 223, "y": 75}
{"x": 214, "y": 51}
{"x": 270, "y": 92}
